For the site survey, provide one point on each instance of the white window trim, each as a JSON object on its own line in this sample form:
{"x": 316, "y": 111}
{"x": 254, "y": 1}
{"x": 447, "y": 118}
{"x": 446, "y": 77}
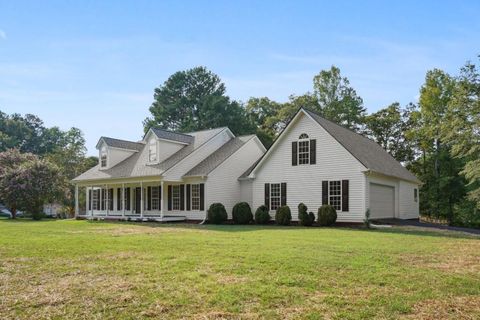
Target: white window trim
{"x": 155, "y": 198}
{"x": 307, "y": 139}
{"x": 329, "y": 195}
{"x": 103, "y": 152}
{"x": 152, "y": 143}
{"x": 173, "y": 197}
{"x": 279, "y": 196}
{"x": 192, "y": 197}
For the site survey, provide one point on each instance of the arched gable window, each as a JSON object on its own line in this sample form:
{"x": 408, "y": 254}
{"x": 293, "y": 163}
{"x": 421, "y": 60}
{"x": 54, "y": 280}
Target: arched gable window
{"x": 103, "y": 157}
{"x": 303, "y": 149}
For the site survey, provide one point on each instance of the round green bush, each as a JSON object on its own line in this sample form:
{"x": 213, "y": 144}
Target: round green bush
{"x": 38, "y": 215}
{"x": 217, "y": 213}
{"x": 327, "y": 215}
{"x": 304, "y": 218}
{"x": 261, "y": 215}
{"x": 283, "y": 216}
{"x": 241, "y": 213}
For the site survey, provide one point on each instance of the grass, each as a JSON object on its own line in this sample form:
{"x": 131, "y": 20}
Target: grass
{"x": 107, "y": 270}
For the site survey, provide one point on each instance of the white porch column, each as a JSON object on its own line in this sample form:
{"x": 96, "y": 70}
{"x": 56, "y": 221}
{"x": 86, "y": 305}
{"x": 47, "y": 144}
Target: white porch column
{"x": 141, "y": 199}
{"x": 161, "y": 199}
{"x": 107, "y": 196}
{"x": 76, "y": 201}
{"x": 91, "y": 207}
{"x": 123, "y": 200}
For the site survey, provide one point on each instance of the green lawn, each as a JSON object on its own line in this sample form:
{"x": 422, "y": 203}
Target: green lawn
{"x": 81, "y": 269}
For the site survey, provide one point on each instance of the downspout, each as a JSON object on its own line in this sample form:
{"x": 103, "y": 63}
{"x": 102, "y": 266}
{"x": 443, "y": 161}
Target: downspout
{"x": 205, "y": 201}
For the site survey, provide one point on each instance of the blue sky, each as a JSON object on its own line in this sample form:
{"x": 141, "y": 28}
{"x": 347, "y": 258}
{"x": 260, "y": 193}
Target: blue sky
{"x": 94, "y": 64}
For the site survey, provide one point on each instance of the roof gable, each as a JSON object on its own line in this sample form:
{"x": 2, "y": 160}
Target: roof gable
{"x": 371, "y": 155}
{"x": 172, "y": 136}
{"x": 121, "y": 144}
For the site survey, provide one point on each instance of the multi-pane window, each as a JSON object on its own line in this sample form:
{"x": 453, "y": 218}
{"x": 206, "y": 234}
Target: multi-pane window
{"x": 155, "y": 198}
{"x": 303, "y": 149}
{"x": 176, "y": 197}
{"x": 103, "y": 157}
{"x": 335, "y": 194}
{"x": 152, "y": 150}
{"x": 195, "y": 197}
{"x": 95, "y": 200}
{"x": 275, "y": 196}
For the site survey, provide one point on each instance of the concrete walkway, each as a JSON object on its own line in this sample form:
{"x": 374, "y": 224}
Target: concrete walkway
{"x": 417, "y": 223}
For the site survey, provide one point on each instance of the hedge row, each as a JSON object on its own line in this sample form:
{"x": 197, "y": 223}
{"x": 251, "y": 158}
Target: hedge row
{"x": 242, "y": 214}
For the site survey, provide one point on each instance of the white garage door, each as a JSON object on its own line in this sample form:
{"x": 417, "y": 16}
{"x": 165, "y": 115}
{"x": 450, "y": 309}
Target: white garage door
{"x": 382, "y": 201}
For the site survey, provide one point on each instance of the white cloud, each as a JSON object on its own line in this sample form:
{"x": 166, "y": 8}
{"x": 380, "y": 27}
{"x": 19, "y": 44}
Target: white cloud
{"x": 3, "y": 35}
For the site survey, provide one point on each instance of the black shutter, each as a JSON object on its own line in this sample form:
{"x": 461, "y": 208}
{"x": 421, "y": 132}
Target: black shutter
{"x": 202, "y": 197}
{"x": 119, "y": 198}
{"x": 313, "y": 151}
{"x": 110, "y": 199}
{"x": 169, "y": 188}
{"x": 345, "y": 195}
{"x": 149, "y": 200}
{"x": 188, "y": 197}
{"x": 159, "y": 196}
{"x": 294, "y": 153}
{"x": 324, "y": 192}
{"x": 90, "y": 199}
{"x": 283, "y": 201}
{"x": 182, "y": 197}
{"x": 267, "y": 196}
{"x": 127, "y": 198}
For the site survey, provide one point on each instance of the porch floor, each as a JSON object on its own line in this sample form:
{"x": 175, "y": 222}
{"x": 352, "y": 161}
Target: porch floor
{"x": 135, "y": 218}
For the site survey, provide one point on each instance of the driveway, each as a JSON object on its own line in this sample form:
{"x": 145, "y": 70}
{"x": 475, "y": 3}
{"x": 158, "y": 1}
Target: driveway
{"x": 417, "y": 223}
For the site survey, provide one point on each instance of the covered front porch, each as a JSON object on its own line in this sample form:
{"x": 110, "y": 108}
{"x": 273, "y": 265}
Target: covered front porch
{"x": 141, "y": 200}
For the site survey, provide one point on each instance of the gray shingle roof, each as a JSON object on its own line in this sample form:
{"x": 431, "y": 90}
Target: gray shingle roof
{"x": 368, "y": 152}
{"x": 136, "y": 164}
{"x": 123, "y": 144}
{"x": 219, "y": 156}
{"x": 174, "y": 136}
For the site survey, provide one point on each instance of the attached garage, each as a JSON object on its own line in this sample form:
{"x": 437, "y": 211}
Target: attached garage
{"x": 382, "y": 201}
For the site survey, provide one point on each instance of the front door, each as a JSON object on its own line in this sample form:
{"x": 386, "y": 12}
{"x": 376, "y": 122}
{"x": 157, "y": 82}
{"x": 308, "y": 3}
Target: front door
{"x": 138, "y": 199}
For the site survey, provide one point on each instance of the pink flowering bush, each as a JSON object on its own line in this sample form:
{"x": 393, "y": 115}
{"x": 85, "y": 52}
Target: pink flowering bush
{"x": 27, "y": 182}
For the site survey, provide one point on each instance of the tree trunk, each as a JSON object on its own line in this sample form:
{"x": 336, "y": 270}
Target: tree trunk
{"x": 13, "y": 210}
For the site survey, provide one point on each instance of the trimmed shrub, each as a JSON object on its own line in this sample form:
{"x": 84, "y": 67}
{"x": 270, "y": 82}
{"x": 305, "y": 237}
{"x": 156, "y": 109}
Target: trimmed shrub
{"x": 283, "y": 216}
{"x": 261, "y": 215}
{"x": 38, "y": 215}
{"x": 241, "y": 213}
{"x": 217, "y": 213}
{"x": 304, "y": 218}
{"x": 327, "y": 215}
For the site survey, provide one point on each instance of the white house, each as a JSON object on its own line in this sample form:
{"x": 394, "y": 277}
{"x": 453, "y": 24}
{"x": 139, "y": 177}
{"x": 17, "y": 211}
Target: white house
{"x": 173, "y": 176}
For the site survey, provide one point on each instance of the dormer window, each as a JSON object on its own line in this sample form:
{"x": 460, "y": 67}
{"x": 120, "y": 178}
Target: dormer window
{"x": 303, "y": 149}
{"x": 103, "y": 157}
{"x": 152, "y": 150}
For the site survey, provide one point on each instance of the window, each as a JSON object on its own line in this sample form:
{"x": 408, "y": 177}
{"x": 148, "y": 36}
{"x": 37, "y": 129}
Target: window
{"x": 176, "y": 197}
{"x": 155, "y": 198}
{"x": 103, "y": 157}
{"x": 95, "y": 202}
{"x": 415, "y": 195}
{"x": 275, "y": 196}
{"x": 303, "y": 149}
{"x": 195, "y": 197}
{"x": 335, "y": 194}
{"x": 152, "y": 150}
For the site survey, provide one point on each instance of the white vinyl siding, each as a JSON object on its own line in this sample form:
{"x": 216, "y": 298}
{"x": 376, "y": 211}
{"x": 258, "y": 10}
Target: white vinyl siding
{"x": 223, "y": 185}
{"x": 408, "y": 207}
{"x": 152, "y": 150}
{"x": 333, "y": 162}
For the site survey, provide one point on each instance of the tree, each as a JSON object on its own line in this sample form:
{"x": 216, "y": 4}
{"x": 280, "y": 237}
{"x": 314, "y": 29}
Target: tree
{"x": 69, "y": 156}
{"x": 263, "y": 113}
{"x": 195, "y": 100}
{"x": 388, "y": 127}
{"x": 337, "y": 100}
{"x": 462, "y": 128}
{"x": 27, "y": 182}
